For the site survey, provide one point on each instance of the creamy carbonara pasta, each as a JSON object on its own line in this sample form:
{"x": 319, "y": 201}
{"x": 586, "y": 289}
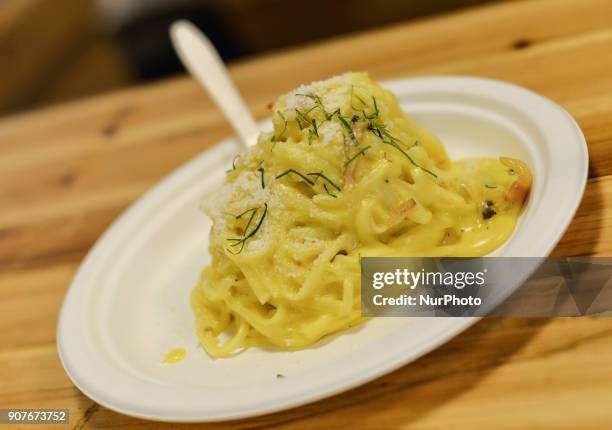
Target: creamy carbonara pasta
{"x": 344, "y": 173}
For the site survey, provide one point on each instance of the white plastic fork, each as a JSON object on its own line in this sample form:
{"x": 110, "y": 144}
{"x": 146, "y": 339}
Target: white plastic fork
{"x": 203, "y": 62}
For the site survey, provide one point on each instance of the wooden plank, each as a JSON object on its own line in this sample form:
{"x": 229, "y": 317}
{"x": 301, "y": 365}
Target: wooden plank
{"x": 29, "y": 304}
{"x": 98, "y": 159}
{"x": 104, "y": 117}
{"x": 533, "y": 373}
{"x": 397, "y": 51}
{"x": 590, "y": 232}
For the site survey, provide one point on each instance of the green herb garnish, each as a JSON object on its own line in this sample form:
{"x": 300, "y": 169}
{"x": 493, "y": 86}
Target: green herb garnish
{"x": 240, "y": 241}
{"x": 252, "y": 211}
{"x": 275, "y": 138}
{"x": 315, "y": 128}
{"x": 301, "y": 118}
{"x": 382, "y": 132}
{"x": 310, "y": 182}
{"x": 244, "y": 213}
{"x": 366, "y": 116}
{"x": 347, "y": 127}
{"x": 327, "y": 190}
{"x": 233, "y": 164}
{"x": 295, "y": 172}
{"x": 304, "y": 122}
{"x": 260, "y": 169}
{"x": 325, "y": 178}
{"x": 318, "y": 104}
{"x": 379, "y": 130}
{"x": 375, "y": 114}
{"x": 414, "y": 163}
{"x": 357, "y": 154}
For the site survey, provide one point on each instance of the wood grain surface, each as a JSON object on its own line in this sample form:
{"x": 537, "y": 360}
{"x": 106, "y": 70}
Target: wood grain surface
{"x": 66, "y": 172}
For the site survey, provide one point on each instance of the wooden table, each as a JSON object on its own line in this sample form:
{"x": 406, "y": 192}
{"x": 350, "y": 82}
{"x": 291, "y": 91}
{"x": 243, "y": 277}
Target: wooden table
{"x": 68, "y": 171}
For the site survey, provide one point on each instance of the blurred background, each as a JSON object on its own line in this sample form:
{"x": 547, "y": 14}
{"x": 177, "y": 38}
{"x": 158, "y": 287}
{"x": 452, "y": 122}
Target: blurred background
{"x": 56, "y": 50}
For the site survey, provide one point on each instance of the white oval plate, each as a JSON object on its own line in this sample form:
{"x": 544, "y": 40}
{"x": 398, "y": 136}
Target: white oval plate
{"x": 129, "y": 302}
